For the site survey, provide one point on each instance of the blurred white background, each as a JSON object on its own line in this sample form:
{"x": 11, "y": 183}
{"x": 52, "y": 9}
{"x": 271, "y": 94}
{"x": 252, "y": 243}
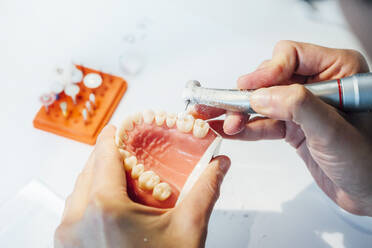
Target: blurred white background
{"x": 268, "y": 198}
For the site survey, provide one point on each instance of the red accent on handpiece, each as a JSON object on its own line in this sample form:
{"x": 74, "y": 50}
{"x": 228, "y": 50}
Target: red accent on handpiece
{"x": 340, "y": 93}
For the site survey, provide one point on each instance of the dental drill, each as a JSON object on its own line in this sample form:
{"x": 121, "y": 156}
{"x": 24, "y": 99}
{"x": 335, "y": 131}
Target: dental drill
{"x": 350, "y": 94}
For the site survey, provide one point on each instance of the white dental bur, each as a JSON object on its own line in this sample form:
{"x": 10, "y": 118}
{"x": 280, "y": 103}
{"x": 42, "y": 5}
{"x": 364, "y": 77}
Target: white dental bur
{"x": 350, "y": 94}
{"x": 92, "y": 80}
{"x": 72, "y": 90}
{"x": 47, "y": 100}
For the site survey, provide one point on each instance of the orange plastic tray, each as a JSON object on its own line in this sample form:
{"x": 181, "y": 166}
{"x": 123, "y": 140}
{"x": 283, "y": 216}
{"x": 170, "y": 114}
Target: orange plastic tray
{"x": 108, "y": 96}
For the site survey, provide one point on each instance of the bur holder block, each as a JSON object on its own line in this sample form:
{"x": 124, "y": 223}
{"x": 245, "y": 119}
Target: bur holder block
{"x": 108, "y": 96}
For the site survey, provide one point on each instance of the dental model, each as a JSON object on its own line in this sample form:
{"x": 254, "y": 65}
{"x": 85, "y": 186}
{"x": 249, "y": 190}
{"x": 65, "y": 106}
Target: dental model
{"x": 163, "y": 155}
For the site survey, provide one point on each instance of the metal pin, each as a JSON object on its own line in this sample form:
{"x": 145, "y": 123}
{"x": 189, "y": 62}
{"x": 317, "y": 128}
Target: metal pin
{"x": 63, "y": 106}
{"x": 85, "y": 115}
{"x": 187, "y": 104}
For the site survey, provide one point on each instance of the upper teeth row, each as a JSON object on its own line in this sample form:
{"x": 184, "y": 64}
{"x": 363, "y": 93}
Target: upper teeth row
{"x": 184, "y": 123}
{"x": 147, "y": 180}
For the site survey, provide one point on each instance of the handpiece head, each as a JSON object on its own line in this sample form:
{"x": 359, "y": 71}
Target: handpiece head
{"x": 188, "y": 92}
{"x": 232, "y": 100}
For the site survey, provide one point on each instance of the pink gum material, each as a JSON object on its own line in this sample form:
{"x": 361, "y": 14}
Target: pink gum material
{"x": 169, "y": 153}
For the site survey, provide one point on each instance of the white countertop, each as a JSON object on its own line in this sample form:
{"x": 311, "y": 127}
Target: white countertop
{"x": 268, "y": 198}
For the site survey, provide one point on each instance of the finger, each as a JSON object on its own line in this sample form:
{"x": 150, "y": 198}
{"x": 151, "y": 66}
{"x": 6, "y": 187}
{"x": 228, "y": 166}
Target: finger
{"x": 295, "y": 103}
{"x": 317, "y": 62}
{"x": 258, "y": 128}
{"x": 276, "y": 71}
{"x": 205, "y": 112}
{"x": 66, "y": 235}
{"x": 200, "y": 201}
{"x": 109, "y": 175}
{"x": 234, "y": 122}
{"x": 77, "y": 201}
{"x": 330, "y": 138}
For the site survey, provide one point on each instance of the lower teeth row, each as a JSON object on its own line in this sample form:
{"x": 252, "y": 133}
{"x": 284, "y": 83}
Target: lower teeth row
{"x": 147, "y": 180}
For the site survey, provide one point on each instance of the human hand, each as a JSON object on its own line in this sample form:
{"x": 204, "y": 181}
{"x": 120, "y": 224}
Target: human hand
{"x": 99, "y": 212}
{"x": 335, "y": 146}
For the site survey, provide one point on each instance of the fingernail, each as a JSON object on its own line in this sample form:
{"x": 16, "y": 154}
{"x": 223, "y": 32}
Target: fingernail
{"x": 260, "y": 98}
{"x": 224, "y": 164}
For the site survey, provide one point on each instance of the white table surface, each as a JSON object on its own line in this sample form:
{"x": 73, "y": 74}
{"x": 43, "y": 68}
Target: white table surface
{"x": 268, "y": 198}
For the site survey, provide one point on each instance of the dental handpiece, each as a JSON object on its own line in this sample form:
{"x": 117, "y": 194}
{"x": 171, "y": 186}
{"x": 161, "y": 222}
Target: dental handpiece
{"x": 350, "y": 94}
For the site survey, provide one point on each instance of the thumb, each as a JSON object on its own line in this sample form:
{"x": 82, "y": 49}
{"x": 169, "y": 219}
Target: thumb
{"x": 108, "y": 174}
{"x": 318, "y": 120}
{"x": 200, "y": 201}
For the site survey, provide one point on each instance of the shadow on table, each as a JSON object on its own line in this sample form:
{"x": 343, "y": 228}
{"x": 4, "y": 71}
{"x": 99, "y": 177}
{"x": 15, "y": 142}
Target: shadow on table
{"x": 305, "y": 221}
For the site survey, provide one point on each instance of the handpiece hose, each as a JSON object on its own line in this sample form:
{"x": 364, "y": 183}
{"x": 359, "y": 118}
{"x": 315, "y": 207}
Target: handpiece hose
{"x": 350, "y": 94}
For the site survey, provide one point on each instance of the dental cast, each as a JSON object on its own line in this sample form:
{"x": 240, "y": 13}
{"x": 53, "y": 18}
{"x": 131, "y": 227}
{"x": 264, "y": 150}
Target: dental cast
{"x": 161, "y": 191}
{"x": 137, "y": 170}
{"x": 149, "y": 180}
{"x": 137, "y": 118}
{"x": 200, "y": 129}
{"x": 148, "y": 116}
{"x": 185, "y": 123}
{"x": 160, "y": 117}
{"x": 171, "y": 120}
{"x": 127, "y": 124}
{"x": 124, "y": 153}
{"x": 130, "y": 162}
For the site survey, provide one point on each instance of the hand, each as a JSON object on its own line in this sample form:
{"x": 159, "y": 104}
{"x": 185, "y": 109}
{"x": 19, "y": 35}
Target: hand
{"x": 99, "y": 213}
{"x": 335, "y": 146}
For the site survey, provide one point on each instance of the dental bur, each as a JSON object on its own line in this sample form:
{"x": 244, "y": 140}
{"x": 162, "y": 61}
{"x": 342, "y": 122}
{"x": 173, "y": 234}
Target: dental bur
{"x": 350, "y": 94}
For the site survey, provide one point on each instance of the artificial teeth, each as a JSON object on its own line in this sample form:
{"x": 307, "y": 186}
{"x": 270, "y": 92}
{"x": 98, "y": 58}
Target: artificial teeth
{"x": 118, "y": 141}
{"x": 148, "y": 180}
{"x": 162, "y": 191}
{"x": 171, "y": 120}
{"x": 137, "y": 170}
{"x": 129, "y": 163}
{"x": 200, "y": 129}
{"x": 124, "y": 153}
{"x": 160, "y": 117}
{"x": 127, "y": 124}
{"x": 148, "y": 116}
{"x": 185, "y": 123}
{"x": 120, "y": 136}
{"x": 137, "y": 118}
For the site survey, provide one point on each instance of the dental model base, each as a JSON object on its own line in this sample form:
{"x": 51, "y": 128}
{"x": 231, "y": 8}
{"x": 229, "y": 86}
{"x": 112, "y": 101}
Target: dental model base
{"x": 350, "y": 94}
{"x": 163, "y": 155}
{"x": 80, "y": 112}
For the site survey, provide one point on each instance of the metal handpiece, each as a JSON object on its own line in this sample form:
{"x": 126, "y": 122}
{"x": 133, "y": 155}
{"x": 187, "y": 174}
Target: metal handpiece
{"x": 234, "y": 100}
{"x": 349, "y": 94}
